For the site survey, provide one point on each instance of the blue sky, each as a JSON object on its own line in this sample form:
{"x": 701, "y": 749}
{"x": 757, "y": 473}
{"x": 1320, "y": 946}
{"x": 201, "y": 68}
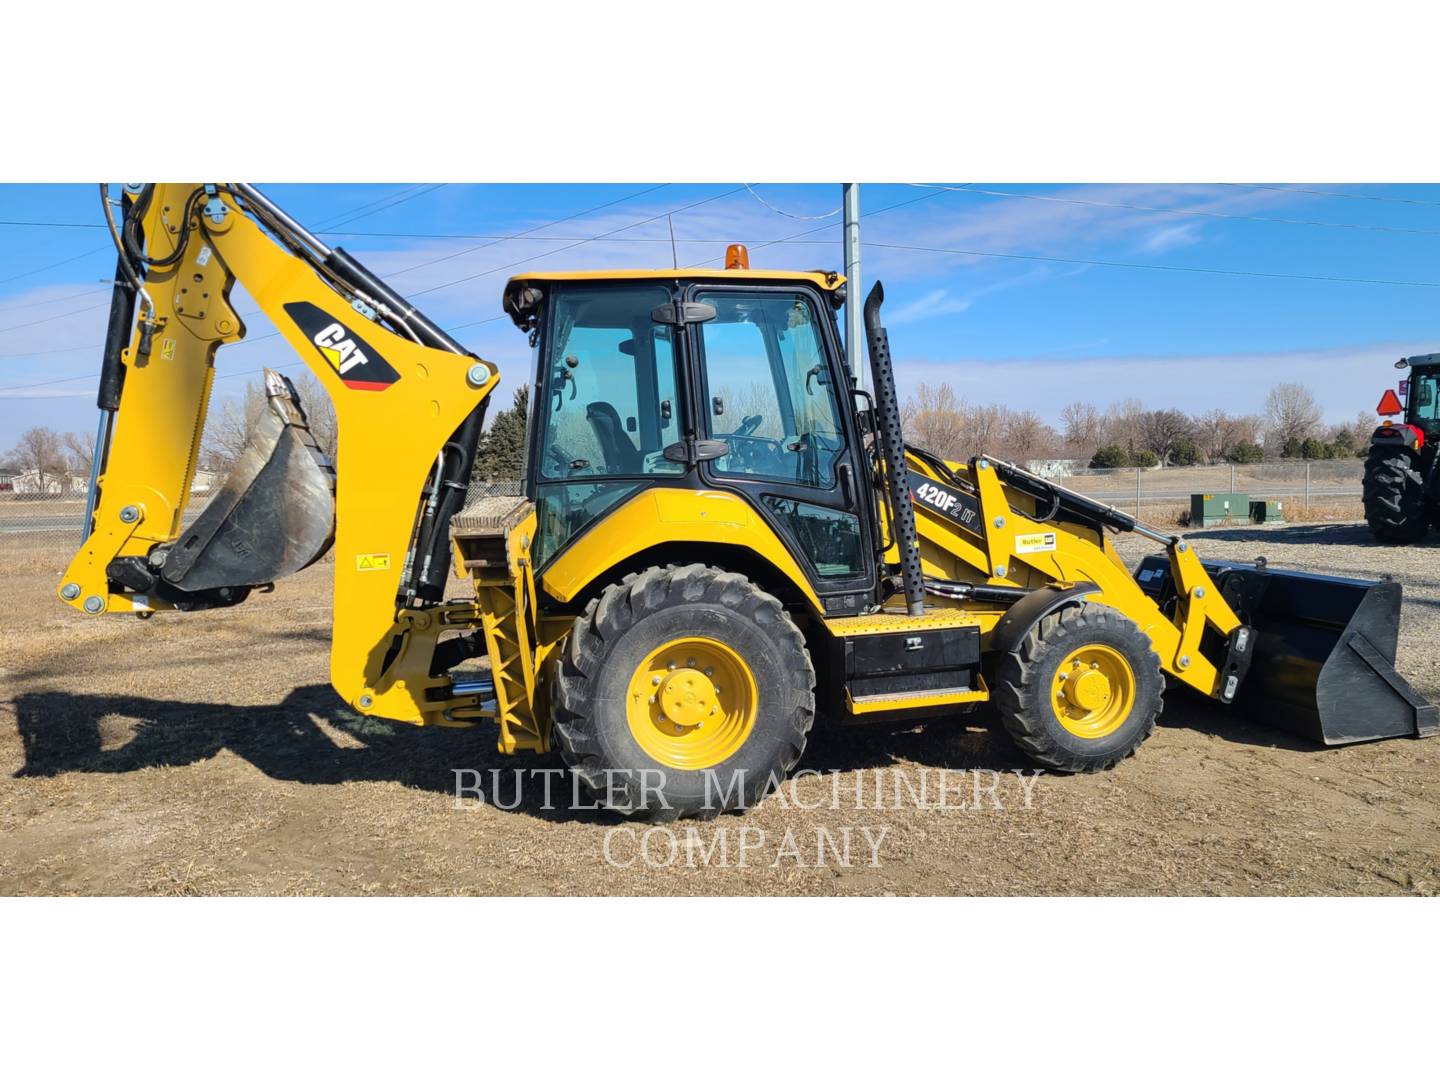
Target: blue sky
{"x": 1024, "y": 331}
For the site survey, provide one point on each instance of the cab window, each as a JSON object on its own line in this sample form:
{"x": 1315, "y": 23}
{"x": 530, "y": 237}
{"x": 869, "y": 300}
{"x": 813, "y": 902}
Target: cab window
{"x": 769, "y": 395}
{"x": 610, "y": 405}
{"x": 1426, "y": 405}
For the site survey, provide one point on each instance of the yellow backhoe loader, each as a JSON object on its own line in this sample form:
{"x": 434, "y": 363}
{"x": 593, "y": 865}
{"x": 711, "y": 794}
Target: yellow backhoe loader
{"x": 719, "y": 539}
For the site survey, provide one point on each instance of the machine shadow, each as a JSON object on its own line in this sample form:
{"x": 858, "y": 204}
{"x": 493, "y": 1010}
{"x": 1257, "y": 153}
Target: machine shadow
{"x": 311, "y": 738}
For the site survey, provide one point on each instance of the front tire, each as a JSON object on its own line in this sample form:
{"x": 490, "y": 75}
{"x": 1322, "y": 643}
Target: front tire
{"x": 1081, "y": 691}
{"x": 683, "y": 691}
{"x": 1394, "y": 494}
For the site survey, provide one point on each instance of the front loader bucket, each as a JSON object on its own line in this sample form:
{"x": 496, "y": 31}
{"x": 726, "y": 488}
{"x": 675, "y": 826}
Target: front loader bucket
{"x": 1323, "y": 661}
{"x": 275, "y": 513}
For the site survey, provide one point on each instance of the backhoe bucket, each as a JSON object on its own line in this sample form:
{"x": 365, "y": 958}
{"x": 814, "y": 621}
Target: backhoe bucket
{"x": 275, "y": 513}
{"x": 1323, "y": 661}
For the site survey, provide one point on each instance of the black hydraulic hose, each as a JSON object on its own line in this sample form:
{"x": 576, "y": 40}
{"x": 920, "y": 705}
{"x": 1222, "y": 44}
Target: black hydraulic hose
{"x": 902, "y": 511}
{"x": 432, "y": 548}
{"x": 117, "y": 336}
{"x": 351, "y": 271}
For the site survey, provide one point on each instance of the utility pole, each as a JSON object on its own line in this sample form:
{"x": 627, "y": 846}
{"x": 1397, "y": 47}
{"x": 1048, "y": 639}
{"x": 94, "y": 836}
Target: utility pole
{"x": 854, "y": 335}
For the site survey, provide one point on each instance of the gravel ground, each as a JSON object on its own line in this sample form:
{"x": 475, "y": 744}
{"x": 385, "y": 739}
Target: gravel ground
{"x": 206, "y": 754}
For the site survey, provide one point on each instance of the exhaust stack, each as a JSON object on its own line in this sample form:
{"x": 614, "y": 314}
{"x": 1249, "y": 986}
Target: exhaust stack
{"x": 892, "y": 443}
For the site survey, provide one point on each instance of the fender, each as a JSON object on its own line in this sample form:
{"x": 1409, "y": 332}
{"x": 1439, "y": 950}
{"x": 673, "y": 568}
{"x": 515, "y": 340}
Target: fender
{"x": 1016, "y": 623}
{"x": 1407, "y": 435}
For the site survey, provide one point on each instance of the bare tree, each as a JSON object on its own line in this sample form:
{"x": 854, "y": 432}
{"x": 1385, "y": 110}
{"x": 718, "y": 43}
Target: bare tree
{"x": 1083, "y": 426}
{"x": 79, "y": 452}
{"x": 1291, "y": 415}
{"x": 934, "y": 419}
{"x": 40, "y": 450}
{"x": 1023, "y": 434}
{"x": 1122, "y": 423}
{"x": 1161, "y": 429}
{"x": 228, "y": 428}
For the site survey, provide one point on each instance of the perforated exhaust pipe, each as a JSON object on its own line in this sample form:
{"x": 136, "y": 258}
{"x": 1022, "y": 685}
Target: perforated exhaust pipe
{"x": 892, "y": 443}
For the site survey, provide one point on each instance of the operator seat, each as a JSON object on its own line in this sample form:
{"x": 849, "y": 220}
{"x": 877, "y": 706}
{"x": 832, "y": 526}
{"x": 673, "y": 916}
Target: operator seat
{"x": 619, "y": 452}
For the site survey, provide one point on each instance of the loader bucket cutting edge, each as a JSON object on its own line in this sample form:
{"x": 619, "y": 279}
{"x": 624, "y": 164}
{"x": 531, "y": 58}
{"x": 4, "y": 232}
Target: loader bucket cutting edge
{"x": 1323, "y": 661}
{"x": 275, "y": 513}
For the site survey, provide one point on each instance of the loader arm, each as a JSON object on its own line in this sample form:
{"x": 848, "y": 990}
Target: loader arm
{"x": 409, "y": 406}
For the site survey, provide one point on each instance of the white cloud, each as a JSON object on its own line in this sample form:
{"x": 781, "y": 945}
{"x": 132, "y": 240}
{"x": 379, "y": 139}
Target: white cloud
{"x": 1171, "y": 237}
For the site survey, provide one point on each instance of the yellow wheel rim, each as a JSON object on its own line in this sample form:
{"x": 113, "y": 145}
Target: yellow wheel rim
{"x": 692, "y": 703}
{"x": 1093, "y": 691}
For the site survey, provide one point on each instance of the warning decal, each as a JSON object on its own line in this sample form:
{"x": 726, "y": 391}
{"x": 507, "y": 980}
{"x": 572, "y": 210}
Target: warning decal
{"x": 1031, "y": 543}
{"x": 373, "y": 562}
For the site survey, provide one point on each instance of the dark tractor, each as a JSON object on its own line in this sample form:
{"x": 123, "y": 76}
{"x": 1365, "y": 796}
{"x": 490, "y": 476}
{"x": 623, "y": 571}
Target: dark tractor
{"x": 1401, "y": 492}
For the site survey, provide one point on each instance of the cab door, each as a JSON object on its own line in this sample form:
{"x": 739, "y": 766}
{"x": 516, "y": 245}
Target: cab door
{"x": 770, "y": 388}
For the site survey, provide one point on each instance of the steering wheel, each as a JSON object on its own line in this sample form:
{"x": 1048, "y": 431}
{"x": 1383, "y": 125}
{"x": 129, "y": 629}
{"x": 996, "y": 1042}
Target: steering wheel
{"x": 561, "y": 459}
{"x": 748, "y": 425}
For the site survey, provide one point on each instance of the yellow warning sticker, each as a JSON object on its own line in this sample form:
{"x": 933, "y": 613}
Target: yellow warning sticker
{"x": 373, "y": 562}
{"x": 1031, "y": 543}
{"x": 167, "y": 349}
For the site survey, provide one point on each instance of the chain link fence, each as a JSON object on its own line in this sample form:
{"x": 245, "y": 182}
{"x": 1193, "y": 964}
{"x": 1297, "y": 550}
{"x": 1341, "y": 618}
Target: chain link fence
{"x": 43, "y": 530}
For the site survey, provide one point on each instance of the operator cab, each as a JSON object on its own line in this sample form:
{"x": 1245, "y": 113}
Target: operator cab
{"x": 731, "y": 380}
{"x": 1423, "y": 396}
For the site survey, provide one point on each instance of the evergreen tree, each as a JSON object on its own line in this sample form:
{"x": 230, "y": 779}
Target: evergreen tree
{"x": 502, "y": 449}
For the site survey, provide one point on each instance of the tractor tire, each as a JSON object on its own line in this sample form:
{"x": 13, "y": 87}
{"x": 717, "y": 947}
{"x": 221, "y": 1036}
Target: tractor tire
{"x": 1394, "y": 495}
{"x": 1081, "y": 691}
{"x": 683, "y": 691}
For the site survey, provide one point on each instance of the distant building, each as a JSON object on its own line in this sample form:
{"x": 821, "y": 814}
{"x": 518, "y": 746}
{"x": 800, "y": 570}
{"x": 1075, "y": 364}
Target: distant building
{"x": 54, "y": 485}
{"x": 1054, "y": 468}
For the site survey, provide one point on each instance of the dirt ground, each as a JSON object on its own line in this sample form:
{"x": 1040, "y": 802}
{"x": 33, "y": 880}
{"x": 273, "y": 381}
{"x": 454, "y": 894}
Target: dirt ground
{"x": 207, "y": 755}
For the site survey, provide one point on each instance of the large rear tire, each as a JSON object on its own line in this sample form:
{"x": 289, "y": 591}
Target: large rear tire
{"x": 684, "y": 691}
{"x": 1394, "y": 495}
{"x": 1081, "y": 691}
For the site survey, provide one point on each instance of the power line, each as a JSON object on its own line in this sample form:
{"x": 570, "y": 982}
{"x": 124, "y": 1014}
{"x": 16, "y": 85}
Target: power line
{"x": 52, "y": 266}
{"x": 389, "y": 205}
{"x": 54, "y": 224}
{"x": 578, "y": 243}
{"x": 527, "y": 232}
{"x": 52, "y": 318}
{"x": 808, "y": 232}
{"x": 785, "y": 213}
{"x": 1183, "y": 212}
{"x": 1336, "y": 194}
{"x": 1155, "y": 266}
{"x": 53, "y": 299}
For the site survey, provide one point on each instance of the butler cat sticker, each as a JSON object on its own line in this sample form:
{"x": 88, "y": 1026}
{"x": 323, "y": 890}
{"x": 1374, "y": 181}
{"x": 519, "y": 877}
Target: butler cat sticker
{"x": 1033, "y": 543}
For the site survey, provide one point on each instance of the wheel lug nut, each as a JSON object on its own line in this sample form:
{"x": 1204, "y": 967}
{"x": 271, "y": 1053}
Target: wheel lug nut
{"x": 655, "y": 681}
{"x": 652, "y": 699}
{"x": 690, "y": 661}
{"x": 670, "y": 666}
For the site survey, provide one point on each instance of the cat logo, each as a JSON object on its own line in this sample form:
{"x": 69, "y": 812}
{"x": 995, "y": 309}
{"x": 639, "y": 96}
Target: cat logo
{"x": 373, "y": 562}
{"x": 359, "y": 366}
{"x": 342, "y": 352}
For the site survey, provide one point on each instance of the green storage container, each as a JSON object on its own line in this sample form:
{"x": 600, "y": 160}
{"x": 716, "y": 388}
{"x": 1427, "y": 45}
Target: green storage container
{"x": 1266, "y": 510}
{"x": 1218, "y": 508}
